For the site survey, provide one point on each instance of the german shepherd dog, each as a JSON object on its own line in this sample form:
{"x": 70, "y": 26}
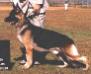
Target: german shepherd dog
{"x": 44, "y": 40}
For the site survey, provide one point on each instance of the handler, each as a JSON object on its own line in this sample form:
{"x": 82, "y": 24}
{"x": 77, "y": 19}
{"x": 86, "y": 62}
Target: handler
{"x": 35, "y": 9}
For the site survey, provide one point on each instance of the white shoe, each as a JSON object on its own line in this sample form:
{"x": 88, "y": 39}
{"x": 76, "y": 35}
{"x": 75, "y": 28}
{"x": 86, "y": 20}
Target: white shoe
{"x": 22, "y": 61}
{"x": 36, "y": 62}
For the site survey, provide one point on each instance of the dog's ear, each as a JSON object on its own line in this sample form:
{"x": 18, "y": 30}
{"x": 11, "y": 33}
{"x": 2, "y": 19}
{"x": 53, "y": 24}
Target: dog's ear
{"x": 18, "y": 9}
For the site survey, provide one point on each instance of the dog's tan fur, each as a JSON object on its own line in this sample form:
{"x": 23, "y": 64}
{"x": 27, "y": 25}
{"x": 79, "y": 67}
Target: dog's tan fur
{"x": 27, "y": 42}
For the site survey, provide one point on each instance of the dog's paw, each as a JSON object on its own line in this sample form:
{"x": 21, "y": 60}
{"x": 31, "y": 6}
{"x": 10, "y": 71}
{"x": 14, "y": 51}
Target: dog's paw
{"x": 79, "y": 65}
{"x": 26, "y": 66}
{"x": 85, "y": 61}
{"x": 23, "y": 67}
{"x": 86, "y": 67}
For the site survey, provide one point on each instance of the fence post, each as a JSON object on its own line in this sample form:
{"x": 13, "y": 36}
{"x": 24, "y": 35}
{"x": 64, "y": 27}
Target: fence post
{"x": 85, "y": 3}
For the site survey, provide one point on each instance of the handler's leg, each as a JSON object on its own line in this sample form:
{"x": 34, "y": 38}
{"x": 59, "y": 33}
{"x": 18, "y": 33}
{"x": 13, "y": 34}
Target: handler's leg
{"x": 27, "y": 41}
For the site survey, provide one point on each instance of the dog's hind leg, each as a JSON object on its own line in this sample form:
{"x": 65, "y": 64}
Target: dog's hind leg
{"x": 73, "y": 54}
{"x": 71, "y": 57}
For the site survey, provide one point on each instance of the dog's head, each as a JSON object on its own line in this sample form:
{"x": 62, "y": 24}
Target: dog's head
{"x": 15, "y": 16}
{"x": 11, "y": 18}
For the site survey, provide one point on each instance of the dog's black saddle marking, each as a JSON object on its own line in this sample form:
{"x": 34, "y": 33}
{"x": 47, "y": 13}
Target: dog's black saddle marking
{"x": 48, "y": 39}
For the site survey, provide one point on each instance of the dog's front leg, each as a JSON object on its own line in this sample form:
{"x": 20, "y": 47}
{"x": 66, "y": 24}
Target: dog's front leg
{"x": 27, "y": 41}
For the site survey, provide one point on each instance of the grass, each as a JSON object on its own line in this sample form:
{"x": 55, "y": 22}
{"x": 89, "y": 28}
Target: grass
{"x": 76, "y": 23}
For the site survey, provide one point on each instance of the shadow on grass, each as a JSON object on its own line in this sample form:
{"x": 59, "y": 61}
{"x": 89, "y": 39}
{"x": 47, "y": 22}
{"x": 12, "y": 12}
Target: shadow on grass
{"x": 40, "y": 57}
